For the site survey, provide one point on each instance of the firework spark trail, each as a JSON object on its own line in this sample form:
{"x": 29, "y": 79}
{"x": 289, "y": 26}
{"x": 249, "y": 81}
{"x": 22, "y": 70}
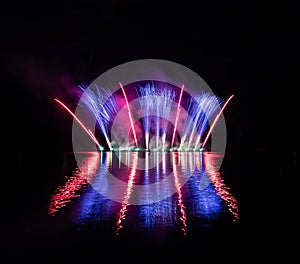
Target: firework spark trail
{"x": 177, "y": 115}
{"x": 160, "y": 112}
{"x": 168, "y": 98}
{"x": 129, "y": 115}
{"x": 158, "y": 109}
{"x": 216, "y": 119}
{"x": 103, "y": 106}
{"x": 192, "y": 110}
{"x": 146, "y": 103}
{"x": 159, "y": 102}
{"x": 88, "y": 131}
{"x": 93, "y": 102}
{"x": 210, "y": 104}
{"x": 200, "y": 110}
{"x": 92, "y": 135}
{"x": 214, "y": 103}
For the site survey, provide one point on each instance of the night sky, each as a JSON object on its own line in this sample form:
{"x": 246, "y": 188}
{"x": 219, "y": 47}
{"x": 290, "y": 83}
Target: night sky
{"x": 238, "y": 47}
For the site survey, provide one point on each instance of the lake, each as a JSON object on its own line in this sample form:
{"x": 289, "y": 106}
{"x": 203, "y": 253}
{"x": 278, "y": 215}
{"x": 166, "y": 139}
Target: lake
{"x": 127, "y": 200}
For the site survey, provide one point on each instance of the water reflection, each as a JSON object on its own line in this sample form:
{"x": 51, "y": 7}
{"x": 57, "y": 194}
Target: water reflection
{"x": 125, "y": 203}
{"x": 179, "y": 193}
{"x": 80, "y": 178}
{"x": 200, "y": 196}
{"x": 210, "y": 160}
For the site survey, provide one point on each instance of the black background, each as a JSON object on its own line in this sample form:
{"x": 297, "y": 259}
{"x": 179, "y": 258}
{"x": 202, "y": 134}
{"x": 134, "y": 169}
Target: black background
{"x": 244, "y": 48}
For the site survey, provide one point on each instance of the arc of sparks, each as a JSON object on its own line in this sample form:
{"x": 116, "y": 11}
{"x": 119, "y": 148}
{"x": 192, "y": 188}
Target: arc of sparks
{"x": 88, "y": 131}
{"x": 177, "y": 115}
{"x": 215, "y": 121}
{"x": 129, "y": 115}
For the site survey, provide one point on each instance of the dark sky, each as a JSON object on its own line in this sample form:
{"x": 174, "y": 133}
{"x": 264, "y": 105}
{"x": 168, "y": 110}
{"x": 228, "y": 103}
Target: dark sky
{"x": 244, "y": 48}
{"x": 241, "y": 47}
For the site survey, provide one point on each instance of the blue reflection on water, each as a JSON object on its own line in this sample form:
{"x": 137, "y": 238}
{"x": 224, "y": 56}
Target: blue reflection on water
{"x": 204, "y": 201}
{"x": 201, "y": 201}
{"x": 92, "y": 209}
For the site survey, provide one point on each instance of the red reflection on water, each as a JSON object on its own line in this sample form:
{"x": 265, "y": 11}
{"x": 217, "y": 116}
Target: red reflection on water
{"x": 122, "y": 214}
{"x": 210, "y": 161}
{"x": 178, "y": 190}
{"x": 82, "y": 175}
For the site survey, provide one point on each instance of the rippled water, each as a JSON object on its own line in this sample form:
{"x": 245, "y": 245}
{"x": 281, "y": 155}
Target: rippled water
{"x": 125, "y": 197}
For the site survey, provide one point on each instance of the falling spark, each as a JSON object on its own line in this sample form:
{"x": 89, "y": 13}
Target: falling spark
{"x": 129, "y": 114}
{"x": 88, "y": 131}
{"x": 215, "y": 121}
{"x": 177, "y": 115}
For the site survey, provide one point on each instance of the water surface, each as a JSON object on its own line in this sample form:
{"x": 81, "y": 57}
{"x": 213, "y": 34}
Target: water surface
{"x": 123, "y": 197}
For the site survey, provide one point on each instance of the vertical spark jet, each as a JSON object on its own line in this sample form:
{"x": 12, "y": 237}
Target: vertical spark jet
{"x": 147, "y": 104}
{"x": 207, "y": 107}
{"x": 168, "y": 98}
{"x": 158, "y": 103}
{"x": 129, "y": 115}
{"x": 177, "y": 116}
{"x": 102, "y": 104}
